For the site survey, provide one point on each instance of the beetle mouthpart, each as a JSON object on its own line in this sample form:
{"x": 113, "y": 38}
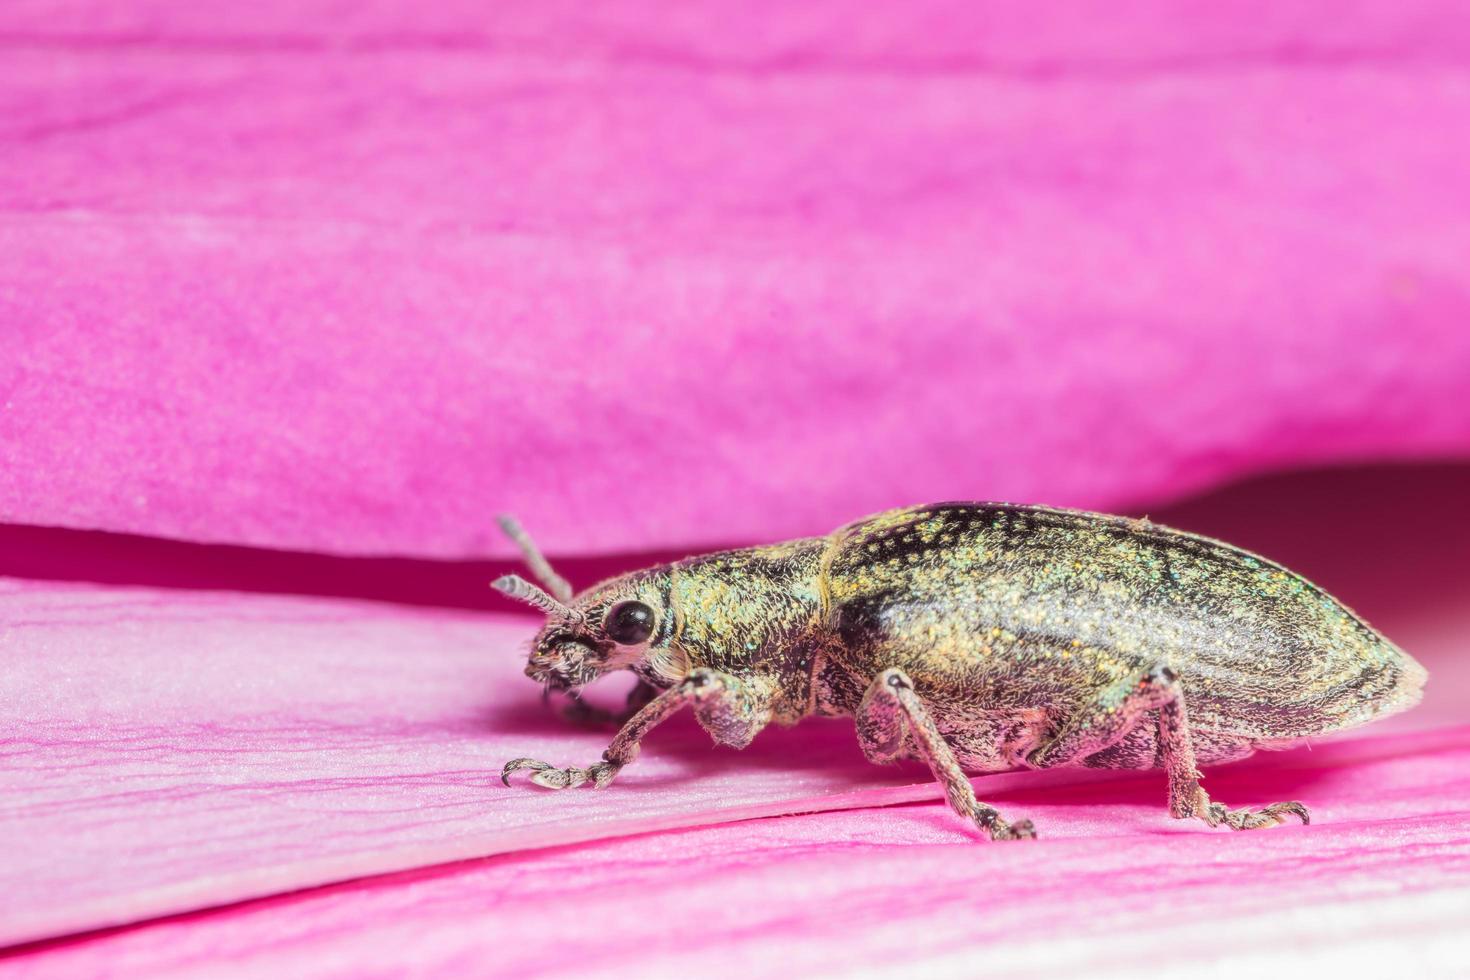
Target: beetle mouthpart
{"x": 535, "y": 560}
{"x": 556, "y": 682}
{"x": 523, "y": 591}
{"x": 563, "y": 674}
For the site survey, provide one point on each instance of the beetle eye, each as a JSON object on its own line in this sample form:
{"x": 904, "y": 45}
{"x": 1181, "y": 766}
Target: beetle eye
{"x": 629, "y": 623}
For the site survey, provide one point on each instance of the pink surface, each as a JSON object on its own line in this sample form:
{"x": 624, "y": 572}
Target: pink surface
{"x": 1379, "y": 883}
{"x": 165, "y": 751}
{"x": 351, "y": 277}
{"x": 346, "y": 279}
{"x": 168, "y": 750}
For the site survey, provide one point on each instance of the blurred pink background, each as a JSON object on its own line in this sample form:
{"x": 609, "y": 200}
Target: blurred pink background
{"x": 295, "y": 296}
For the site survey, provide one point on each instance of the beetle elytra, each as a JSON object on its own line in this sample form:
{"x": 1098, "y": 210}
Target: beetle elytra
{"x": 978, "y": 638}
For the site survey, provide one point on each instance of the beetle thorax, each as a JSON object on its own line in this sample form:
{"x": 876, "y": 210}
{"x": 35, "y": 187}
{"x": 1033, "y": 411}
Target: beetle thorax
{"x": 757, "y": 606}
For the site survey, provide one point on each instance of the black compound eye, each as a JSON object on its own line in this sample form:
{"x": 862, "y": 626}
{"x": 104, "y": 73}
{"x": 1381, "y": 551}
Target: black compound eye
{"x": 629, "y": 623}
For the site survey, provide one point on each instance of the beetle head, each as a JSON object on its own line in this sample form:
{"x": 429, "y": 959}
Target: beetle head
{"x": 620, "y": 624}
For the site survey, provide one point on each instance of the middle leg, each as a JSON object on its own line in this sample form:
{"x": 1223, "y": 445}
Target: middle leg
{"x": 891, "y": 706}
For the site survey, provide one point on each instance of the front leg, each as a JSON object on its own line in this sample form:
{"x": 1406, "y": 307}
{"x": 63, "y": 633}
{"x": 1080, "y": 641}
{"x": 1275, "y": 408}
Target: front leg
{"x": 730, "y": 709}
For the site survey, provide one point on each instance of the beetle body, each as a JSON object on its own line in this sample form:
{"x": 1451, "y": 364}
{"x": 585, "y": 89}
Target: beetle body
{"x": 983, "y": 637}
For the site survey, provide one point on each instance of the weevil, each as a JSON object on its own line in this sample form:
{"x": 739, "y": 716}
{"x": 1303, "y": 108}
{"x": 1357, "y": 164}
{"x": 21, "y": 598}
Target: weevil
{"x": 978, "y": 637}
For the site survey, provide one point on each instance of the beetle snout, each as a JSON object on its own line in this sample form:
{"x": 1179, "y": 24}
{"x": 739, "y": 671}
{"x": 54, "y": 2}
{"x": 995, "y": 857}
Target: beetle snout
{"x": 563, "y": 665}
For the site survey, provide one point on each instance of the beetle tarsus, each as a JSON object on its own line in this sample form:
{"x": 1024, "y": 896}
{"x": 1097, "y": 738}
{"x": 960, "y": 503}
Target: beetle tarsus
{"x": 560, "y": 778}
{"x": 517, "y": 764}
{"x": 1020, "y": 830}
{"x": 1268, "y": 816}
{"x": 599, "y": 774}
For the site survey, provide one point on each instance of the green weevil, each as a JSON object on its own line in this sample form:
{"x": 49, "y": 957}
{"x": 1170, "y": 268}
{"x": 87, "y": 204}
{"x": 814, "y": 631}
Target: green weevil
{"x": 979, "y": 637}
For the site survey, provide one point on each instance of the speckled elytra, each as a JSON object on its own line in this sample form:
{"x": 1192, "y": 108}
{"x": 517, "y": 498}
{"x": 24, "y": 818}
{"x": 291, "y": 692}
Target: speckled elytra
{"x": 979, "y": 637}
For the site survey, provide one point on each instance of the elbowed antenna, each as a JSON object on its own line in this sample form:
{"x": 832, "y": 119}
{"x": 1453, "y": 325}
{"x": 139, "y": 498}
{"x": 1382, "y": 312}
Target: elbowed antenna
{"x": 535, "y": 560}
{"x": 518, "y": 588}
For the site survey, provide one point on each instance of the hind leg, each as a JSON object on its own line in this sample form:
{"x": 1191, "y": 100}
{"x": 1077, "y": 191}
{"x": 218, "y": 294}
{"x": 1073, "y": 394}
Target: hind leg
{"x": 889, "y": 709}
{"x": 1117, "y": 711}
{"x": 1140, "y": 749}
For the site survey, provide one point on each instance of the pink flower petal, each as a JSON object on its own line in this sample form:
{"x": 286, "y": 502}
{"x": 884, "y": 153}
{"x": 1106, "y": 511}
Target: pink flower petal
{"x": 1114, "y": 888}
{"x": 306, "y": 276}
{"x": 169, "y": 750}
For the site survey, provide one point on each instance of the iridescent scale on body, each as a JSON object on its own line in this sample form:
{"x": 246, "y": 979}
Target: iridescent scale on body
{"x": 982, "y": 637}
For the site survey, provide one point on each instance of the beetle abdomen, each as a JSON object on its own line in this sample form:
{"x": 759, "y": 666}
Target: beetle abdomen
{"x": 1013, "y": 607}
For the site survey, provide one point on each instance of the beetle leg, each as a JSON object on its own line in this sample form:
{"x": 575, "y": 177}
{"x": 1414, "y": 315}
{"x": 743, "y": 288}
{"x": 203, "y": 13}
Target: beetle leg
{"x": 728, "y": 708}
{"x": 1112, "y": 715}
{"x": 1187, "y": 798}
{"x": 579, "y": 712}
{"x": 1120, "y": 709}
{"x": 891, "y": 703}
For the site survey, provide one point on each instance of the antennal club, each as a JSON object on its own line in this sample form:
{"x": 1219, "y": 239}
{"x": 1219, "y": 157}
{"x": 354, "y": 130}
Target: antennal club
{"x": 535, "y": 560}
{"x": 518, "y": 588}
